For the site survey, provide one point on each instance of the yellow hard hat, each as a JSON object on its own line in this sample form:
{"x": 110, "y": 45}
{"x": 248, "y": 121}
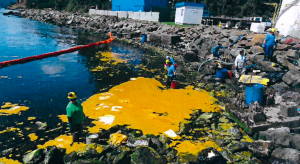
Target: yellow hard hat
{"x": 273, "y": 30}
{"x": 72, "y": 95}
{"x": 167, "y": 61}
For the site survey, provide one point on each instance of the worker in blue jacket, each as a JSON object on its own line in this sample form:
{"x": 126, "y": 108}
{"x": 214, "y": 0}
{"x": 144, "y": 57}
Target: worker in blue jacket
{"x": 269, "y": 44}
{"x": 171, "y": 73}
{"x": 216, "y": 49}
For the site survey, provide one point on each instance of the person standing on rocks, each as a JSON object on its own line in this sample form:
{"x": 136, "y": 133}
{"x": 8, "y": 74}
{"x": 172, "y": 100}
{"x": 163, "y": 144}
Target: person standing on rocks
{"x": 171, "y": 72}
{"x": 216, "y": 50}
{"x": 75, "y": 116}
{"x": 240, "y": 63}
{"x": 269, "y": 44}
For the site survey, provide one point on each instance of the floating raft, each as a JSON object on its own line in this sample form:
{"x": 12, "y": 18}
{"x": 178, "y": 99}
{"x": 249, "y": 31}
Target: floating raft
{"x": 52, "y": 54}
{"x": 249, "y": 79}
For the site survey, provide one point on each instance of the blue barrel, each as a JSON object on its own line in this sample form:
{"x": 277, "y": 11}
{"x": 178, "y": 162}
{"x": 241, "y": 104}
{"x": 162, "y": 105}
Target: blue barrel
{"x": 254, "y": 92}
{"x": 144, "y": 38}
{"x": 222, "y": 73}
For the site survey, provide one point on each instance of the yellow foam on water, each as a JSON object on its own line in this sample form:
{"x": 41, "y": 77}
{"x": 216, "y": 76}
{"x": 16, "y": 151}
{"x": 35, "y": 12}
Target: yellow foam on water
{"x": 64, "y": 118}
{"x": 33, "y": 137}
{"x": 117, "y": 139}
{"x": 142, "y": 105}
{"x": 31, "y": 118}
{"x": 194, "y": 147}
{"x": 10, "y": 129}
{"x": 64, "y": 142}
{"x": 8, "y": 161}
{"x": 13, "y": 109}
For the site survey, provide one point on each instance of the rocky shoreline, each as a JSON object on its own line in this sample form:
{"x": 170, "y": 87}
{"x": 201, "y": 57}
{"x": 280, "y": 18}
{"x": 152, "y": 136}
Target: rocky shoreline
{"x": 190, "y": 46}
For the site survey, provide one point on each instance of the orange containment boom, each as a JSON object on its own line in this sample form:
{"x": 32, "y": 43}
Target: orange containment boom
{"x": 51, "y": 54}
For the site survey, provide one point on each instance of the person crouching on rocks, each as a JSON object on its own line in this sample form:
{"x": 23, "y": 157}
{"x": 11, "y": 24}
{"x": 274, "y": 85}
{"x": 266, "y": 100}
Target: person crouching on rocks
{"x": 240, "y": 64}
{"x": 75, "y": 116}
{"x": 171, "y": 73}
{"x": 216, "y": 50}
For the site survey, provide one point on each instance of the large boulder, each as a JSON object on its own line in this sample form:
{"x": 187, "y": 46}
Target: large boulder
{"x": 146, "y": 155}
{"x": 286, "y": 156}
{"x": 295, "y": 140}
{"x": 291, "y": 78}
{"x": 260, "y": 148}
{"x": 257, "y": 50}
{"x": 278, "y": 137}
{"x": 170, "y": 39}
{"x": 210, "y": 156}
{"x": 155, "y": 37}
{"x": 293, "y": 54}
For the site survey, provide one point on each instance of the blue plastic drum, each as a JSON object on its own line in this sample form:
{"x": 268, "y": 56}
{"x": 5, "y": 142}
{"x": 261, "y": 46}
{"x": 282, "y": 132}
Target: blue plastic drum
{"x": 254, "y": 92}
{"x": 222, "y": 73}
{"x": 144, "y": 38}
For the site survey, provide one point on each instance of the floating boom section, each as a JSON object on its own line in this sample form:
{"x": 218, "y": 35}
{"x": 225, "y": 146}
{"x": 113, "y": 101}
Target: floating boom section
{"x": 52, "y": 54}
{"x": 288, "y": 20}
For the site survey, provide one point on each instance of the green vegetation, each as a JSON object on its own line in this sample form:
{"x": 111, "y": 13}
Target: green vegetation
{"x": 69, "y": 5}
{"x": 177, "y": 25}
{"x": 235, "y": 8}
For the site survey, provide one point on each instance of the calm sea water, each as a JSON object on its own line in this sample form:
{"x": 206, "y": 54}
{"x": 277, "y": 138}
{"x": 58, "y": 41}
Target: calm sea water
{"x": 43, "y": 85}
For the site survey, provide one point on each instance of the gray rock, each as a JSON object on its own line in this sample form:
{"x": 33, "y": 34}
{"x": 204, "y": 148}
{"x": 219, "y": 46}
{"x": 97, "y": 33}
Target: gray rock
{"x": 146, "y": 155}
{"x": 295, "y": 140}
{"x": 155, "y": 37}
{"x": 257, "y": 50}
{"x": 288, "y": 109}
{"x": 7, "y": 152}
{"x": 41, "y": 125}
{"x": 279, "y": 137}
{"x": 291, "y": 78}
{"x": 170, "y": 39}
{"x": 293, "y": 54}
{"x": 286, "y": 156}
{"x": 260, "y": 148}
{"x": 33, "y": 157}
{"x": 256, "y": 113}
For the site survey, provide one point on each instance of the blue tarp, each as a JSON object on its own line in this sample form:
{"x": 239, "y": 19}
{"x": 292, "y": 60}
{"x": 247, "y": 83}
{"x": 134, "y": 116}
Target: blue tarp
{"x": 181, "y": 4}
{"x": 137, "y": 5}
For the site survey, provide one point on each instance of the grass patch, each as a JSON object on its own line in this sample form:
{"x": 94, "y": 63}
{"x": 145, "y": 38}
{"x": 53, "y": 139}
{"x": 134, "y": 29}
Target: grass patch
{"x": 177, "y": 25}
{"x": 240, "y": 123}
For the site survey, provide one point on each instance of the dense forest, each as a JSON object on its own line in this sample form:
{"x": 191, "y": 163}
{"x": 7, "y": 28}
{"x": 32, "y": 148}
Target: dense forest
{"x": 237, "y": 8}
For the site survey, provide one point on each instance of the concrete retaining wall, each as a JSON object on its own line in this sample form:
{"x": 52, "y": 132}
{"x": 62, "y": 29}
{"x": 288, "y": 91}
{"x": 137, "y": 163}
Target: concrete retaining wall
{"x": 149, "y": 16}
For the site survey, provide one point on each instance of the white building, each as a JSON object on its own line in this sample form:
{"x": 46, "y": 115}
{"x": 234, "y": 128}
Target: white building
{"x": 288, "y": 20}
{"x": 189, "y": 13}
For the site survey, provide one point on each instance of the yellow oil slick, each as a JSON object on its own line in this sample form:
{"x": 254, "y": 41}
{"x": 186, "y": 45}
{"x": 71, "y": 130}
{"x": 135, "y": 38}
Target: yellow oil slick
{"x": 9, "y": 129}
{"x": 117, "y": 139}
{"x": 195, "y": 147}
{"x": 8, "y": 105}
{"x": 63, "y": 118}
{"x": 112, "y": 58}
{"x": 64, "y": 142}
{"x": 94, "y": 129}
{"x": 8, "y": 161}
{"x": 10, "y": 109}
{"x": 21, "y": 123}
{"x": 33, "y": 137}
{"x": 31, "y": 118}
{"x": 140, "y": 104}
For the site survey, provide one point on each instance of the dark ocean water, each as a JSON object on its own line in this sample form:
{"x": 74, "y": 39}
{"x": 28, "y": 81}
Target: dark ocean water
{"x": 43, "y": 85}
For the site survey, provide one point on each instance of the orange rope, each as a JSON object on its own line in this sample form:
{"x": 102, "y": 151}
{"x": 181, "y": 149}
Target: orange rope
{"x": 51, "y": 54}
